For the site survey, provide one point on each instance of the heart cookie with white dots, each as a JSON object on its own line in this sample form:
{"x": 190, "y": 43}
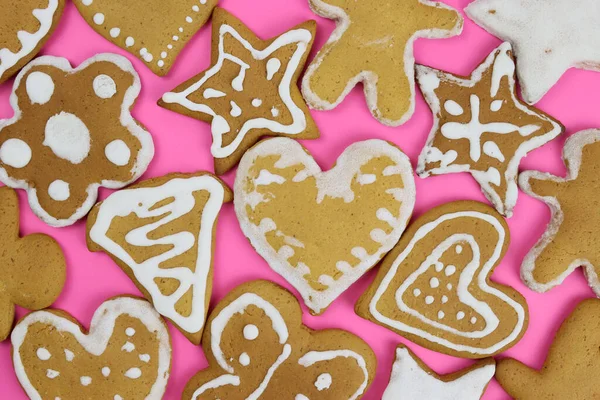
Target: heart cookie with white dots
{"x": 25, "y": 25}
{"x": 323, "y": 230}
{"x": 155, "y": 31}
{"x": 125, "y": 355}
{"x": 434, "y": 288}
{"x": 73, "y": 132}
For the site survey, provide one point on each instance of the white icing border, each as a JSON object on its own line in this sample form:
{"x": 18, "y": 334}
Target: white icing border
{"x": 512, "y": 169}
{"x": 145, "y": 154}
{"x": 572, "y": 153}
{"x": 292, "y": 151}
{"x": 95, "y": 342}
{"x": 482, "y": 276}
{"x": 368, "y": 78}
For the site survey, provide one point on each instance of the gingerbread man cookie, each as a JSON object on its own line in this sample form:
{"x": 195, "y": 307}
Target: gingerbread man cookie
{"x": 549, "y": 37}
{"x": 321, "y": 230}
{"x": 482, "y": 127}
{"x": 257, "y": 347}
{"x": 32, "y": 269}
{"x": 125, "y": 355}
{"x": 250, "y": 91}
{"x": 72, "y": 133}
{"x": 434, "y": 288}
{"x": 413, "y": 380}
{"x": 161, "y": 233}
{"x": 373, "y": 44}
{"x": 572, "y": 368}
{"x": 155, "y": 31}
{"x": 25, "y": 26}
{"x": 571, "y": 237}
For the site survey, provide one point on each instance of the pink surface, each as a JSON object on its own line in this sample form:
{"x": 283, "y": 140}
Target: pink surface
{"x": 182, "y": 145}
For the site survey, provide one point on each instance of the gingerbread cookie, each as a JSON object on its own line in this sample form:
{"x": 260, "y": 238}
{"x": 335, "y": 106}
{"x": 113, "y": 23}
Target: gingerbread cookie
{"x": 257, "y": 347}
{"x": 161, "y": 233}
{"x": 72, "y": 133}
{"x": 413, "y": 380}
{"x": 434, "y": 288}
{"x": 125, "y": 355}
{"x": 250, "y": 91}
{"x": 571, "y": 237}
{"x": 371, "y": 46}
{"x": 25, "y": 26}
{"x": 320, "y": 230}
{"x": 543, "y": 54}
{"x": 482, "y": 127}
{"x": 155, "y": 31}
{"x": 572, "y": 368}
{"x": 32, "y": 268}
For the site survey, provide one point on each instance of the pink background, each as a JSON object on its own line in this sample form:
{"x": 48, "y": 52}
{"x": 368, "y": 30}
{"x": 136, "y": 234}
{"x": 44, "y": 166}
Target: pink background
{"x": 182, "y": 145}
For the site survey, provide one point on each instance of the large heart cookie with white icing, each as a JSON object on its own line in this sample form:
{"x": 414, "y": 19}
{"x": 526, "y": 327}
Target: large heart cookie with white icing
{"x": 161, "y": 233}
{"x": 125, "y": 355}
{"x": 25, "y": 25}
{"x": 257, "y": 348}
{"x": 323, "y": 230}
{"x": 434, "y": 288}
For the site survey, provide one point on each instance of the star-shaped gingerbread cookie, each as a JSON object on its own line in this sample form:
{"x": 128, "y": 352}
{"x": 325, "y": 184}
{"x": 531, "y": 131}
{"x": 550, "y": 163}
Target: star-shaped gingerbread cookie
{"x": 482, "y": 127}
{"x": 373, "y": 44}
{"x": 251, "y": 89}
{"x": 413, "y": 380}
{"x": 571, "y": 237}
{"x": 549, "y": 37}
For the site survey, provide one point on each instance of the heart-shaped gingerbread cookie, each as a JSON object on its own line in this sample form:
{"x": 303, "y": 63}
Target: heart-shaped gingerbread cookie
{"x": 24, "y": 28}
{"x": 323, "y": 230}
{"x": 126, "y": 354}
{"x": 434, "y": 288}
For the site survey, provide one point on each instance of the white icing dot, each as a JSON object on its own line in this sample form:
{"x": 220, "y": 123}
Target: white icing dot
{"x": 250, "y": 332}
{"x": 69, "y": 355}
{"x": 244, "y": 359}
{"x": 181, "y": 29}
{"x": 133, "y": 373}
{"x": 195, "y": 8}
{"x": 87, "y": 2}
{"x": 323, "y": 382}
{"x": 170, "y": 46}
{"x": 117, "y": 152}
{"x": 85, "y": 380}
{"x": 145, "y": 357}
{"x": 175, "y": 38}
{"x": 417, "y": 292}
{"x": 15, "y": 153}
{"x": 129, "y": 41}
{"x": 256, "y": 102}
{"x": 236, "y": 111}
{"x": 50, "y": 373}
{"x": 130, "y": 332}
{"x": 273, "y": 66}
{"x": 434, "y": 283}
{"x": 164, "y": 54}
{"x": 115, "y": 32}
{"x": 449, "y": 286}
{"x": 106, "y": 372}
{"x": 441, "y": 315}
{"x": 59, "y": 190}
{"x": 117, "y": 397}
{"x": 274, "y": 112}
{"x": 473, "y": 320}
{"x": 429, "y": 299}
{"x": 104, "y": 86}
{"x": 450, "y": 270}
{"x": 160, "y": 63}
{"x": 128, "y": 347}
{"x": 458, "y": 249}
{"x": 39, "y": 87}
{"x": 453, "y": 108}
{"x": 496, "y": 105}
{"x": 460, "y": 315}
{"x": 43, "y": 354}
{"x": 68, "y": 137}
{"x": 189, "y": 19}
{"x": 99, "y": 18}
{"x": 444, "y": 299}
{"x": 439, "y": 266}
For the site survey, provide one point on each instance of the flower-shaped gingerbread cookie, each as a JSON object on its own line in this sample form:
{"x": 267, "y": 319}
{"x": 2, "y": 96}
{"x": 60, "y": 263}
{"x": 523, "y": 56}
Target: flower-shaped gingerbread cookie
{"x": 258, "y": 348}
{"x": 434, "y": 288}
{"x": 73, "y": 132}
{"x": 125, "y": 355}
{"x": 32, "y": 269}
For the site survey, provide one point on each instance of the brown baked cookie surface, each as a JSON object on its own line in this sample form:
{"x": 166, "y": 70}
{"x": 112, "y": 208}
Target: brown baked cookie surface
{"x": 25, "y": 26}
{"x": 257, "y": 347}
{"x": 155, "y": 31}
{"x": 161, "y": 233}
{"x": 434, "y": 287}
{"x": 32, "y": 268}
{"x": 250, "y": 91}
